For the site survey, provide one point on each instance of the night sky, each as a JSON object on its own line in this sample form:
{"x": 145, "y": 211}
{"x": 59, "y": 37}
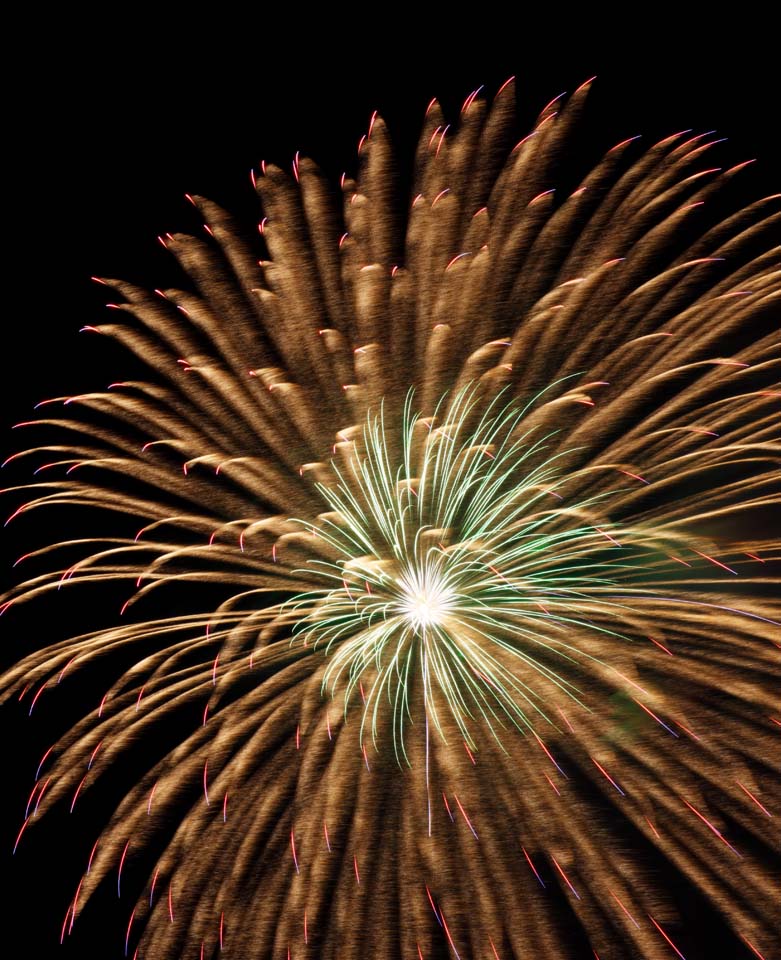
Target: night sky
{"x": 125, "y": 125}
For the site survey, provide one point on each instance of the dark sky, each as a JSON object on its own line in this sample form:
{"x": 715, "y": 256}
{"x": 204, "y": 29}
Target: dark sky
{"x": 123, "y": 125}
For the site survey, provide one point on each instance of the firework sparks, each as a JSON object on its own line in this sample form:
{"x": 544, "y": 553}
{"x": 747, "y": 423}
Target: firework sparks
{"x": 460, "y": 486}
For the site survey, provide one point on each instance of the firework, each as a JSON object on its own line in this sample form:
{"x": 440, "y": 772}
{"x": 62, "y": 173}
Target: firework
{"x": 481, "y": 494}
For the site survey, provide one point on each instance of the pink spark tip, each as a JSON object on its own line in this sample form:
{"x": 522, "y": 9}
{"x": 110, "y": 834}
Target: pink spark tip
{"x": 585, "y": 84}
{"x": 751, "y": 947}
{"x": 607, "y": 775}
{"x": 19, "y": 835}
{"x": 77, "y": 792}
{"x": 553, "y": 785}
{"x": 471, "y": 99}
{"x": 456, "y": 259}
{"x": 566, "y": 878}
{"x": 130, "y": 924}
{"x": 505, "y": 85}
{"x": 661, "y": 646}
{"x": 293, "y": 849}
{"x": 620, "y": 903}
{"x": 666, "y": 937}
{"x": 121, "y": 864}
{"x": 554, "y": 100}
{"x": 718, "y": 563}
{"x": 545, "y": 193}
{"x": 711, "y": 827}
{"x": 625, "y": 143}
{"x": 65, "y": 924}
{"x": 534, "y": 869}
{"x": 751, "y": 795}
{"x": 466, "y": 818}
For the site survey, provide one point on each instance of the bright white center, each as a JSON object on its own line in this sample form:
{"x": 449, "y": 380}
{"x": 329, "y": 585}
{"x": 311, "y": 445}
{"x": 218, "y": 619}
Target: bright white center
{"x": 425, "y": 600}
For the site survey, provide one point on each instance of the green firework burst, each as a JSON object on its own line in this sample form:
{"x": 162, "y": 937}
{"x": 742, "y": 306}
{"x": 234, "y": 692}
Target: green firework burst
{"x": 460, "y": 563}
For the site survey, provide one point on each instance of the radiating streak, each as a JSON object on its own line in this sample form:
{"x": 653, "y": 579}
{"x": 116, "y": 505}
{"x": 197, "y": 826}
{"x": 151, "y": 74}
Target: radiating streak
{"x": 121, "y": 864}
{"x": 666, "y": 937}
{"x": 564, "y": 876}
{"x": 129, "y": 925}
{"x": 710, "y": 826}
{"x": 523, "y": 434}
{"x": 534, "y": 869}
{"x": 751, "y": 795}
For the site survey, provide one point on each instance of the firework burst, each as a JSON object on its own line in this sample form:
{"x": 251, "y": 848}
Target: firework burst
{"x": 482, "y": 490}
{"x": 465, "y": 564}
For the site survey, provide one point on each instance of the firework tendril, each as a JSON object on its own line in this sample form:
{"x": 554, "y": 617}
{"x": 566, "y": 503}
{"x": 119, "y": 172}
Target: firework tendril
{"x": 482, "y": 489}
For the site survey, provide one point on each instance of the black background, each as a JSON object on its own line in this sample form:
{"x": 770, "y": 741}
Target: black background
{"x": 110, "y": 129}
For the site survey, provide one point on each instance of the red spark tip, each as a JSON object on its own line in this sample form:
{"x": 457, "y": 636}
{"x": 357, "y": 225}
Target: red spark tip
{"x": 585, "y": 85}
{"x": 751, "y": 946}
{"x": 547, "y": 106}
{"x": 545, "y": 193}
{"x": 455, "y": 259}
{"x": 672, "y": 137}
{"x": 504, "y": 86}
{"x": 625, "y": 143}
{"x": 740, "y": 166}
{"x": 471, "y": 99}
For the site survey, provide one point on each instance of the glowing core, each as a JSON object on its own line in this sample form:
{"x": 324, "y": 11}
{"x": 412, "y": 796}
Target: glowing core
{"x": 425, "y": 600}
